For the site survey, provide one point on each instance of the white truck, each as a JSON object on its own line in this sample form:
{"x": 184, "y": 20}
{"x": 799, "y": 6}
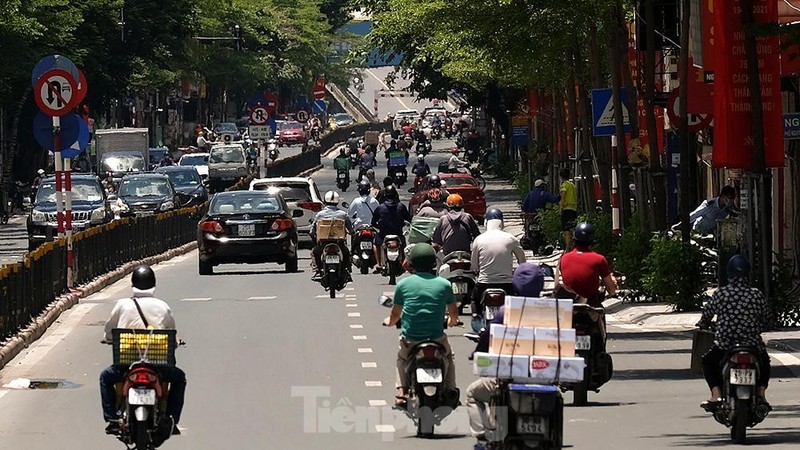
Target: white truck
{"x": 122, "y": 150}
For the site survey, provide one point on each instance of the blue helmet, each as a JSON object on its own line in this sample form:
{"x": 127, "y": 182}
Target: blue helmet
{"x": 738, "y": 267}
{"x": 493, "y": 214}
{"x": 584, "y": 233}
{"x": 363, "y": 187}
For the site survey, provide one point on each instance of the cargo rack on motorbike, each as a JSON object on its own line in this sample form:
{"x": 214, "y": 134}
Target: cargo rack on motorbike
{"x": 156, "y": 347}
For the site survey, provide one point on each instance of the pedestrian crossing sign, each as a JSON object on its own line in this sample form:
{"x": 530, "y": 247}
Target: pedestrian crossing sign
{"x": 603, "y": 115}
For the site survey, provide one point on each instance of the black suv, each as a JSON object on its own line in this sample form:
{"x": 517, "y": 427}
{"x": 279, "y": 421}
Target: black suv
{"x": 188, "y": 184}
{"x": 146, "y": 193}
{"x": 89, "y": 207}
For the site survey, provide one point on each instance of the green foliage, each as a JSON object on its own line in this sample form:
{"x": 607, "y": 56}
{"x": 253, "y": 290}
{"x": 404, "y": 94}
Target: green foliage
{"x": 673, "y": 273}
{"x": 632, "y": 248}
{"x": 551, "y": 226}
{"x": 784, "y": 297}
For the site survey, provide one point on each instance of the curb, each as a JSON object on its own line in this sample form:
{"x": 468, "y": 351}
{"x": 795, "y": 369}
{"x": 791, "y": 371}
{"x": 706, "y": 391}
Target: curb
{"x": 42, "y": 322}
{"x": 781, "y": 346}
{"x": 307, "y": 173}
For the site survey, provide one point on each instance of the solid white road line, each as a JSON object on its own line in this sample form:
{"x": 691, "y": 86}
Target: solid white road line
{"x": 788, "y": 360}
{"x": 369, "y": 365}
{"x": 365, "y": 350}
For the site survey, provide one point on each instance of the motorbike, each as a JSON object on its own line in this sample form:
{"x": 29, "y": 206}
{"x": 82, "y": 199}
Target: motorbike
{"x": 354, "y": 160}
{"x": 456, "y": 268}
{"x": 335, "y": 270}
{"x": 475, "y": 171}
{"x": 363, "y": 250}
{"x": 534, "y": 235}
{"x": 490, "y": 303}
{"x": 428, "y": 402}
{"x": 393, "y": 257}
{"x": 448, "y": 131}
{"x": 436, "y": 132}
{"x": 740, "y": 406}
{"x": 342, "y": 179}
{"x": 399, "y": 174}
{"x": 272, "y": 151}
{"x": 142, "y": 397}
{"x": 590, "y": 344}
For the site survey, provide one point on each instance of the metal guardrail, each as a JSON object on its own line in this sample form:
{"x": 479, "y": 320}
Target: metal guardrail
{"x": 29, "y": 286}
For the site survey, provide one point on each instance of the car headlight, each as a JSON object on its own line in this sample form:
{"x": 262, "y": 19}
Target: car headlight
{"x": 38, "y": 216}
{"x": 98, "y": 215}
{"x": 169, "y": 204}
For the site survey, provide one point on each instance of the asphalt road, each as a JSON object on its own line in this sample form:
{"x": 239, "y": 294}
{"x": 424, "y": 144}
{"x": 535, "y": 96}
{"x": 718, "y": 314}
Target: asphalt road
{"x": 13, "y": 239}
{"x": 272, "y": 363}
{"x": 374, "y": 79}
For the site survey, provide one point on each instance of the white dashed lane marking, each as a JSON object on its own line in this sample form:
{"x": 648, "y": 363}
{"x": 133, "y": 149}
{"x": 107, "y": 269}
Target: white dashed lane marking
{"x": 269, "y": 297}
{"x": 360, "y": 338}
{"x": 356, "y": 326}
{"x": 351, "y": 305}
{"x": 385, "y": 428}
{"x": 196, "y": 299}
{"x": 365, "y": 350}
{"x": 373, "y": 383}
{"x": 369, "y": 365}
{"x": 377, "y": 403}
{"x": 354, "y": 314}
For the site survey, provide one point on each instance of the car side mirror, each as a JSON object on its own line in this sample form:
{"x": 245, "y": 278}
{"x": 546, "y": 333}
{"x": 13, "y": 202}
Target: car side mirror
{"x": 386, "y": 301}
{"x": 297, "y": 213}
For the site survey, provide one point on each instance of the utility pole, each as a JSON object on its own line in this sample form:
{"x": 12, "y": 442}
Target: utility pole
{"x": 687, "y": 154}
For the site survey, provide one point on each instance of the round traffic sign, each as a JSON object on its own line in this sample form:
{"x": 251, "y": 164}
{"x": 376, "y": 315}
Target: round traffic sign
{"x": 55, "y": 92}
{"x": 697, "y": 122}
{"x": 319, "y": 89}
{"x": 43, "y": 130}
{"x": 80, "y": 90}
{"x": 79, "y": 146}
{"x": 303, "y": 116}
{"x": 259, "y": 115}
{"x": 272, "y": 102}
{"x": 54, "y": 62}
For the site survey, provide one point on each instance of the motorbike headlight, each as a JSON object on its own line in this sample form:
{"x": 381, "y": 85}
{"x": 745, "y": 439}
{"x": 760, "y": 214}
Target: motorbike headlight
{"x": 98, "y": 215}
{"x": 169, "y": 204}
{"x": 38, "y": 216}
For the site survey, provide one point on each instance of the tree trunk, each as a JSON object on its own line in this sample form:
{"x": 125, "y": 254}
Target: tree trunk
{"x": 620, "y": 154}
{"x": 688, "y": 156}
{"x": 657, "y": 178}
{"x": 602, "y": 144}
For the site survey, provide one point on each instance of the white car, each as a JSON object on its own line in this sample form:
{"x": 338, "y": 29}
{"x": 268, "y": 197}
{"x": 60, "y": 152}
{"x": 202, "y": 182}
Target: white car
{"x": 198, "y": 160}
{"x": 430, "y": 113}
{"x": 300, "y": 193}
{"x": 410, "y": 114}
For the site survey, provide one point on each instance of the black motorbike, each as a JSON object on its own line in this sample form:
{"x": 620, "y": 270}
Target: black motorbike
{"x": 399, "y": 174}
{"x": 534, "y": 239}
{"x": 342, "y": 179}
{"x": 393, "y": 258}
{"x": 363, "y": 250}
{"x": 485, "y": 310}
{"x": 335, "y": 274}
{"x": 354, "y": 160}
{"x": 590, "y": 344}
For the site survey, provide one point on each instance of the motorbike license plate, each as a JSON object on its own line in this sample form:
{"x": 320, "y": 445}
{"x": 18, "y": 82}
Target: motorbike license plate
{"x": 460, "y": 287}
{"x": 332, "y": 259}
{"x": 141, "y": 396}
{"x": 246, "y": 230}
{"x": 393, "y": 255}
{"x": 745, "y": 377}
{"x": 583, "y": 342}
{"x": 342, "y": 176}
{"x": 490, "y": 312}
{"x": 398, "y": 175}
{"x": 366, "y": 245}
{"x": 426, "y": 376}
{"x": 531, "y": 425}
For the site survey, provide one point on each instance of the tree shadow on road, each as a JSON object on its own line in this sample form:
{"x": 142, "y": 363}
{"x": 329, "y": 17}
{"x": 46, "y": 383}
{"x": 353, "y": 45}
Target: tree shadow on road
{"x": 652, "y": 351}
{"x": 755, "y": 437}
{"x": 654, "y": 374}
{"x": 648, "y": 336}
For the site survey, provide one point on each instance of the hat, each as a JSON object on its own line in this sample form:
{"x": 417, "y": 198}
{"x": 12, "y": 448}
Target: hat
{"x": 528, "y": 280}
{"x": 538, "y": 183}
{"x": 422, "y": 257}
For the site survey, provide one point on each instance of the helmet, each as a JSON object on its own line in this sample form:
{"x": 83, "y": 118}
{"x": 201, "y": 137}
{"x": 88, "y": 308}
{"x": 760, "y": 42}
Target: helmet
{"x": 493, "y": 214}
{"x": 331, "y": 198}
{"x": 370, "y": 174}
{"x": 435, "y": 195}
{"x": 422, "y": 257}
{"x": 40, "y": 171}
{"x": 342, "y": 151}
{"x": 391, "y": 193}
{"x": 421, "y": 158}
{"x": 455, "y": 150}
{"x": 363, "y": 187}
{"x": 143, "y": 277}
{"x": 539, "y": 183}
{"x": 352, "y": 134}
{"x": 434, "y": 182}
{"x": 584, "y": 233}
{"x": 455, "y": 201}
{"x": 738, "y": 267}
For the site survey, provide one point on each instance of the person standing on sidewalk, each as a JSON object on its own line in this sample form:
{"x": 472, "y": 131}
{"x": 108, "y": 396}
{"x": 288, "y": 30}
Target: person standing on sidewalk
{"x": 569, "y": 207}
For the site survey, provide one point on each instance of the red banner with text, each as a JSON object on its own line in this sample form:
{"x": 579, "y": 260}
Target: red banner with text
{"x": 733, "y": 139}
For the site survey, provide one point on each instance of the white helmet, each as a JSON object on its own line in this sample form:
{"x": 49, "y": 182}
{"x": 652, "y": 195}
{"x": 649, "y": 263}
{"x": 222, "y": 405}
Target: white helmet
{"x": 40, "y": 171}
{"x": 420, "y": 158}
{"x": 331, "y": 198}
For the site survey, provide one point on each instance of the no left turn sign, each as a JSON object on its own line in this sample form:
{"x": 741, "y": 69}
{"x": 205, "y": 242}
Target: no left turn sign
{"x": 55, "y": 92}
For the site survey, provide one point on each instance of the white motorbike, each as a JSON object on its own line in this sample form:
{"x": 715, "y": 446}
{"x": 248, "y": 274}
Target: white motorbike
{"x": 456, "y": 268}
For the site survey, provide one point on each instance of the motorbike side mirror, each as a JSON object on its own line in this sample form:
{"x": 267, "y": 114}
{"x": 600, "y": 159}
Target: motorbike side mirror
{"x": 386, "y": 301}
{"x": 297, "y": 213}
{"x": 547, "y": 269}
{"x": 345, "y": 205}
{"x": 111, "y": 198}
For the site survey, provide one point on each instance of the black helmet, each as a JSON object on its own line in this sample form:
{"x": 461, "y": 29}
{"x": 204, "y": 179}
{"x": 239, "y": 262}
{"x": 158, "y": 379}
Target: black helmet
{"x": 434, "y": 182}
{"x": 493, "y": 214}
{"x": 738, "y": 267}
{"x": 584, "y": 233}
{"x": 422, "y": 257}
{"x": 363, "y": 187}
{"x": 143, "y": 277}
{"x": 352, "y": 134}
{"x": 391, "y": 193}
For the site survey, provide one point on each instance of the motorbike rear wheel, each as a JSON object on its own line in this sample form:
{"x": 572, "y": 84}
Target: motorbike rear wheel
{"x": 142, "y": 437}
{"x": 425, "y": 424}
{"x": 739, "y": 426}
{"x": 481, "y": 182}
{"x": 364, "y": 269}
{"x": 580, "y": 393}
{"x": 392, "y": 277}
{"x": 332, "y": 285}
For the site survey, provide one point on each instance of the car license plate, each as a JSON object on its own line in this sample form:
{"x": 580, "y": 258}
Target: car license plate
{"x": 332, "y": 259}
{"x": 490, "y": 312}
{"x": 460, "y": 287}
{"x": 246, "y": 230}
{"x": 583, "y": 342}
{"x": 427, "y": 376}
{"x": 531, "y": 425}
{"x": 141, "y": 396}
{"x": 745, "y": 377}
{"x": 366, "y": 245}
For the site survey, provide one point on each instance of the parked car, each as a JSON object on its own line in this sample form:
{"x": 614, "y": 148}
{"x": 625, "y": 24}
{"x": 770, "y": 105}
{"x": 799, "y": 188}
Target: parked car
{"x": 226, "y": 165}
{"x": 291, "y": 133}
{"x": 198, "y": 160}
{"x": 300, "y": 193}
{"x": 343, "y": 119}
{"x": 89, "y": 208}
{"x": 146, "y": 193}
{"x": 247, "y": 227}
{"x": 458, "y": 183}
{"x": 187, "y": 183}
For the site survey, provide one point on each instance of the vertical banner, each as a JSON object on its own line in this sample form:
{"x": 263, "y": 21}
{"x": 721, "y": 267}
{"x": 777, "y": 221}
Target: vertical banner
{"x": 733, "y": 140}
{"x": 707, "y": 21}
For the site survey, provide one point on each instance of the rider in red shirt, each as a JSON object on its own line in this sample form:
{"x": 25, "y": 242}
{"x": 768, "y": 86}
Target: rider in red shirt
{"x": 582, "y": 269}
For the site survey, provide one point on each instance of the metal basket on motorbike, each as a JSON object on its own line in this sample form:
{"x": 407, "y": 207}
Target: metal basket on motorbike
{"x": 331, "y": 230}
{"x": 154, "y": 346}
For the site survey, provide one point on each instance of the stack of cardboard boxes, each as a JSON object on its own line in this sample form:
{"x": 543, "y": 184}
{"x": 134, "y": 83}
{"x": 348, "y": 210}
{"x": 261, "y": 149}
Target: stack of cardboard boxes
{"x": 535, "y": 343}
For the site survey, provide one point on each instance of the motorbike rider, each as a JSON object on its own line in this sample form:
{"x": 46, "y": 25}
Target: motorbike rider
{"x": 454, "y": 163}
{"x": 493, "y": 254}
{"x": 330, "y": 211}
{"x": 528, "y": 281}
{"x": 583, "y": 269}
{"x": 141, "y": 311}
{"x": 363, "y": 207}
{"x": 434, "y": 204}
{"x": 342, "y": 163}
{"x": 389, "y": 219}
{"x": 367, "y": 161}
{"x": 421, "y": 168}
{"x": 36, "y": 183}
{"x": 420, "y": 302}
{"x": 352, "y": 143}
{"x": 742, "y": 314}
{"x": 538, "y": 198}
{"x": 456, "y": 229}
{"x": 203, "y": 144}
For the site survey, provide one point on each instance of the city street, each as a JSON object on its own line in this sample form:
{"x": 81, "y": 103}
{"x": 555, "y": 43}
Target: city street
{"x": 273, "y": 363}
{"x": 374, "y": 79}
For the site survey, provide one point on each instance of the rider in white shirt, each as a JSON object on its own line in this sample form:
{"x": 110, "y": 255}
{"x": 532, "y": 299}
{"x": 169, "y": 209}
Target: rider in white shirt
{"x": 363, "y": 207}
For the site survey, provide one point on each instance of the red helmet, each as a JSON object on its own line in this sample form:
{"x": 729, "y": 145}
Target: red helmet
{"x": 454, "y": 150}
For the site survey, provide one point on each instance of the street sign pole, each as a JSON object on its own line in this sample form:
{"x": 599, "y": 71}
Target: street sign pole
{"x": 59, "y": 178}
{"x": 68, "y": 220}
{"x": 615, "y": 204}
{"x": 262, "y": 159}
